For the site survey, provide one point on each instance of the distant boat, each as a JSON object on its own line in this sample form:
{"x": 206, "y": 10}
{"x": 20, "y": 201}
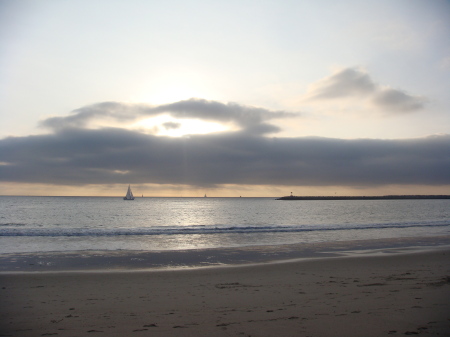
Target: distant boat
{"x": 205, "y": 196}
{"x": 129, "y": 195}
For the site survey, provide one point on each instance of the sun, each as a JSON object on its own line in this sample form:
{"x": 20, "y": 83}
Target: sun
{"x": 165, "y": 125}
{"x": 171, "y": 89}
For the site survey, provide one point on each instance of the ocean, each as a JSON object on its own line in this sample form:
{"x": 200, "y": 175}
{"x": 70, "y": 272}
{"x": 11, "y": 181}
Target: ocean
{"x": 67, "y": 224}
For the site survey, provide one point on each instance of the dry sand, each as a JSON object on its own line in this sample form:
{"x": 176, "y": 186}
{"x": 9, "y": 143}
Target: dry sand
{"x": 396, "y": 295}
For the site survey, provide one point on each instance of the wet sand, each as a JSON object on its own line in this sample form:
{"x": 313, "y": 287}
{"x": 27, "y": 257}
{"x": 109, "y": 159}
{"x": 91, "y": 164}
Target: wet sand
{"x": 365, "y": 294}
{"x": 179, "y": 259}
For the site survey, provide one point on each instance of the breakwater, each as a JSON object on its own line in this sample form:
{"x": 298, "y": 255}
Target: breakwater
{"x": 380, "y": 197}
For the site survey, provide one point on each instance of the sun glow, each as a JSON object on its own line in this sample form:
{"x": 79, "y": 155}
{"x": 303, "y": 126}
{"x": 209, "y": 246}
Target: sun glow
{"x": 173, "y": 85}
{"x": 172, "y": 127}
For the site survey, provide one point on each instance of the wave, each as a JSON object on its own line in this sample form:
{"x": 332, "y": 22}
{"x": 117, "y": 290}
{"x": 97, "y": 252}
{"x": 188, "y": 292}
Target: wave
{"x": 6, "y": 230}
{"x": 12, "y": 224}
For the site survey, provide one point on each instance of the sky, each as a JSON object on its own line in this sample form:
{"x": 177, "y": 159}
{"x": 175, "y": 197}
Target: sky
{"x": 224, "y": 98}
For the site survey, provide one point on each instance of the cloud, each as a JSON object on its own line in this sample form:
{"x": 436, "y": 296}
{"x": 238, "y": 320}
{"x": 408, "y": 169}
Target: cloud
{"x": 251, "y": 119}
{"x": 347, "y": 82}
{"x": 171, "y": 125}
{"x": 397, "y": 100}
{"x": 77, "y": 156}
{"x": 81, "y": 117}
{"x": 357, "y": 84}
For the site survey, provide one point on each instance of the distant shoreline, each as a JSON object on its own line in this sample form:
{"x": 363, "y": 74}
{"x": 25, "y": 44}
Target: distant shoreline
{"x": 380, "y": 197}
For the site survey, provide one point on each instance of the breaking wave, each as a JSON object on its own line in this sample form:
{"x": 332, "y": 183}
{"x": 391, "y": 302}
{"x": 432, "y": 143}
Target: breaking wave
{"x": 19, "y": 230}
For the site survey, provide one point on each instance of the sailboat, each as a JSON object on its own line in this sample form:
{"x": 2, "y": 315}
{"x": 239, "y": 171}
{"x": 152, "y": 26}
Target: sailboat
{"x": 129, "y": 195}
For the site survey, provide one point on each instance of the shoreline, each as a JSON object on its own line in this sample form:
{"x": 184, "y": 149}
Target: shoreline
{"x": 376, "y": 295}
{"x": 104, "y": 261}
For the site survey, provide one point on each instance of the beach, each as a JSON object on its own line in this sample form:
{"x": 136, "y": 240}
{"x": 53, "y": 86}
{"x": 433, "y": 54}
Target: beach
{"x": 368, "y": 293}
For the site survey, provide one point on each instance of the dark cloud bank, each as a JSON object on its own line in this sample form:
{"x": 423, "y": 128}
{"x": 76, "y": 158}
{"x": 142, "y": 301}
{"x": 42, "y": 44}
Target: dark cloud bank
{"x": 76, "y": 155}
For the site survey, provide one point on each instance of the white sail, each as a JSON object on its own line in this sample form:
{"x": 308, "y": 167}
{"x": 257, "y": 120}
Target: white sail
{"x": 129, "y": 195}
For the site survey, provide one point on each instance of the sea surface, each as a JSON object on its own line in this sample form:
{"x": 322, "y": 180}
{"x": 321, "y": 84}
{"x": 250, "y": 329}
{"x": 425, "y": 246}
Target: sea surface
{"x": 63, "y": 224}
